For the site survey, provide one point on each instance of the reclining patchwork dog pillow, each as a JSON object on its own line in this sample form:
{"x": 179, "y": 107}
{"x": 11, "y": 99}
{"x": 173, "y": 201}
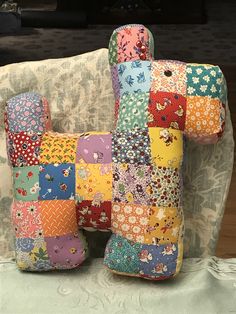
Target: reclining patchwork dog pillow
{"x": 128, "y": 180}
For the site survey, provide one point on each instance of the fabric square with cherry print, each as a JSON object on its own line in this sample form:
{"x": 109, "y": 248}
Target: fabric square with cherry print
{"x": 130, "y": 221}
{"x": 26, "y": 183}
{"x": 94, "y": 148}
{"x": 26, "y": 219}
{"x": 57, "y": 181}
{"x": 167, "y": 110}
{"x": 168, "y": 76}
{"x": 165, "y": 188}
{"x": 94, "y": 214}
{"x": 131, "y": 183}
{"x": 23, "y": 148}
{"x": 138, "y": 81}
{"x": 131, "y": 146}
{"x": 133, "y": 111}
{"x": 133, "y": 45}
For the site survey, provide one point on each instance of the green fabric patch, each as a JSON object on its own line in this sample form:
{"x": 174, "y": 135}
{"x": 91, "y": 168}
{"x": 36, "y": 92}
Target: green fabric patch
{"x": 122, "y": 255}
{"x": 26, "y": 183}
{"x": 113, "y": 49}
{"x": 133, "y": 111}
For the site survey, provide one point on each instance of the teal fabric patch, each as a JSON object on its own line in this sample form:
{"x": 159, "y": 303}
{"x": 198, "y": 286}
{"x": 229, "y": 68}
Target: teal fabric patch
{"x": 26, "y": 183}
{"x": 133, "y": 111}
{"x": 204, "y": 80}
{"x": 122, "y": 255}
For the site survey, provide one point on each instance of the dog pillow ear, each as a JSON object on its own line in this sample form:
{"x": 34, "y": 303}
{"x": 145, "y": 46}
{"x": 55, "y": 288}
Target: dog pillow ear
{"x": 45, "y": 223}
{"x": 156, "y": 103}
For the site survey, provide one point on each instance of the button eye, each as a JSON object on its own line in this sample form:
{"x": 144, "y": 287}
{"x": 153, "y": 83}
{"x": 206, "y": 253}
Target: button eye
{"x": 168, "y": 73}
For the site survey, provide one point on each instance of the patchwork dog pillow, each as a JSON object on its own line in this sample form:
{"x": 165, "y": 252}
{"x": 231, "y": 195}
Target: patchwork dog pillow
{"x": 128, "y": 180}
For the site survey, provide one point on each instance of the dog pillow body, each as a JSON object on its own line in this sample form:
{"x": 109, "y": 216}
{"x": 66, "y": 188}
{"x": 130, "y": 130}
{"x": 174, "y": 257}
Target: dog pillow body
{"x": 128, "y": 180}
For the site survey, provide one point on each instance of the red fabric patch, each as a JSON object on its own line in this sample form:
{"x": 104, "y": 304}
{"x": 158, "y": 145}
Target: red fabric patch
{"x": 89, "y": 215}
{"x": 117, "y": 106}
{"x": 167, "y": 110}
{"x": 23, "y": 148}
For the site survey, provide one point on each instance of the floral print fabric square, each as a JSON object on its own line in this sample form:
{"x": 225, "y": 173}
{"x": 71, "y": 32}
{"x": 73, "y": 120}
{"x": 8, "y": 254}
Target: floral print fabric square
{"x": 26, "y": 219}
{"x": 203, "y": 116}
{"x": 133, "y": 111}
{"x": 165, "y": 187}
{"x": 130, "y": 221}
{"x": 95, "y": 214}
{"x": 204, "y": 80}
{"x": 23, "y": 148}
{"x": 32, "y": 254}
{"x": 166, "y": 147}
{"x": 167, "y": 110}
{"x": 57, "y": 182}
{"x": 131, "y": 183}
{"x": 26, "y": 112}
{"x": 134, "y": 77}
{"x": 94, "y": 148}
{"x": 93, "y": 182}
{"x": 26, "y": 183}
{"x": 56, "y": 148}
{"x": 58, "y": 217}
{"x": 168, "y": 76}
{"x": 131, "y": 147}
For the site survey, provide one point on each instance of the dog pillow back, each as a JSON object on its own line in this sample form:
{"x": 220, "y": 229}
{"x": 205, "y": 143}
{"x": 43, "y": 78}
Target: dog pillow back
{"x": 128, "y": 180}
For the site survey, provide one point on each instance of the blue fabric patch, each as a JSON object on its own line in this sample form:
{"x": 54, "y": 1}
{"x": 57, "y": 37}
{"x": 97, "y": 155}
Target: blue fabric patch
{"x": 204, "y": 80}
{"x": 57, "y": 182}
{"x": 24, "y": 244}
{"x": 158, "y": 260}
{"x": 134, "y": 77}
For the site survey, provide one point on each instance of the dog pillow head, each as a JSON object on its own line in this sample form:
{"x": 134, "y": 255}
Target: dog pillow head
{"x": 127, "y": 180}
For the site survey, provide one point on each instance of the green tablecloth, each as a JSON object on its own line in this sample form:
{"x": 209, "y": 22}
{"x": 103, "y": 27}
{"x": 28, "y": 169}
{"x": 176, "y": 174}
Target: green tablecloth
{"x": 204, "y": 286}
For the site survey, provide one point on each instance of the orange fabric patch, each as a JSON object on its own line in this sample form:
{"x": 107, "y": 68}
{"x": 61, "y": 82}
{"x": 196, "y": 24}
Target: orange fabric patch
{"x": 130, "y": 221}
{"x": 58, "y": 148}
{"x": 163, "y": 226}
{"x": 202, "y": 116}
{"x": 58, "y": 217}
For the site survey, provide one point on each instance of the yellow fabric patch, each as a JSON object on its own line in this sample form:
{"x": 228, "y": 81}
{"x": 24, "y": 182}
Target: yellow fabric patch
{"x": 163, "y": 226}
{"x": 58, "y": 148}
{"x": 166, "y": 147}
{"x": 202, "y": 116}
{"x": 93, "y": 181}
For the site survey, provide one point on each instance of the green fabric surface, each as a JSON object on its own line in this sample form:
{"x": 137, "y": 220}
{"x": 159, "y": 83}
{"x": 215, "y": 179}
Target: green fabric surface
{"x": 203, "y": 286}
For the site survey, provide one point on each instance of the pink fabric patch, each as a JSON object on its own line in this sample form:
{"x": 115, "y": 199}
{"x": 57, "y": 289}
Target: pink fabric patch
{"x": 26, "y": 219}
{"x": 133, "y": 44}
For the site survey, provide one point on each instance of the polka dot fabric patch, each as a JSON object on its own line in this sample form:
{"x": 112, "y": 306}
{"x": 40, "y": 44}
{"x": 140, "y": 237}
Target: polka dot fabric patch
{"x": 24, "y": 148}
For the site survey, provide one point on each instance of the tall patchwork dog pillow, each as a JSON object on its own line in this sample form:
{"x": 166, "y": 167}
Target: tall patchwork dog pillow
{"x": 128, "y": 180}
